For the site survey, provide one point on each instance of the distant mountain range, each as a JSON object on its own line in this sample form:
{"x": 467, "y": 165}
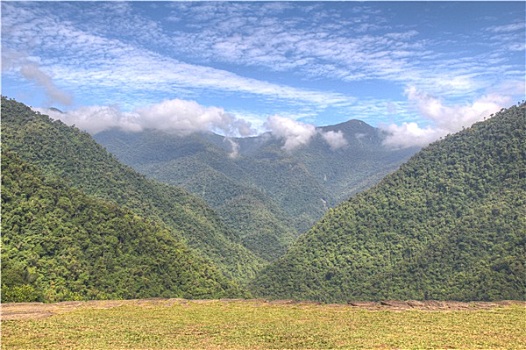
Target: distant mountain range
{"x": 265, "y": 193}
{"x": 450, "y": 224}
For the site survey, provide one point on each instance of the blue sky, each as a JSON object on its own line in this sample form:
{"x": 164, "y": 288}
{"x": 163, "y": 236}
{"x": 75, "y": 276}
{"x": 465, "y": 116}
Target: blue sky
{"x": 419, "y": 70}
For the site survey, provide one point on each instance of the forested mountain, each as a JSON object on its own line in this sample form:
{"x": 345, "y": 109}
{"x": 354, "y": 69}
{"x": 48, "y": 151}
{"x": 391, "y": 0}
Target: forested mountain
{"x": 362, "y": 163}
{"x": 77, "y": 224}
{"x": 60, "y": 244}
{"x": 206, "y": 170}
{"x": 449, "y": 224}
{"x": 65, "y": 152}
{"x": 266, "y": 194}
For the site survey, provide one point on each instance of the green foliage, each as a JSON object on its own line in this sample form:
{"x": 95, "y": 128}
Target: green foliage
{"x": 59, "y": 244}
{"x": 449, "y": 224}
{"x": 268, "y": 196}
{"x": 256, "y": 221}
{"x": 65, "y": 152}
{"x": 22, "y": 293}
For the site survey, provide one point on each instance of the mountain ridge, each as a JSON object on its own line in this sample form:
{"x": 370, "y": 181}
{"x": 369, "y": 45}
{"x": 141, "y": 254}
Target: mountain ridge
{"x": 66, "y": 152}
{"x": 449, "y": 224}
{"x": 302, "y": 184}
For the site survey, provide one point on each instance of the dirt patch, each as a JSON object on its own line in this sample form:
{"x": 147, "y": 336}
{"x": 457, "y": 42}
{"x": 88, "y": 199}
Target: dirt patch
{"x": 24, "y": 311}
{"x": 433, "y": 305}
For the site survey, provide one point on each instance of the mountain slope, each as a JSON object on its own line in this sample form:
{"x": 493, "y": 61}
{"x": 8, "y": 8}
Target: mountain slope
{"x": 65, "y": 152}
{"x": 360, "y": 164}
{"x": 59, "y": 244}
{"x": 269, "y": 194}
{"x": 205, "y": 169}
{"x": 449, "y": 224}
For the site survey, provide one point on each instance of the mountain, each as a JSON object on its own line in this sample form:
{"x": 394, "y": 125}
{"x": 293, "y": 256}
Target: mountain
{"x": 449, "y": 224}
{"x": 67, "y": 153}
{"x": 60, "y": 244}
{"x": 267, "y": 194}
{"x": 362, "y": 163}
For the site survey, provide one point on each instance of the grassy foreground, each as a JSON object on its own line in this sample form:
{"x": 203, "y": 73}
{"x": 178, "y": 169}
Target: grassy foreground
{"x": 253, "y": 324}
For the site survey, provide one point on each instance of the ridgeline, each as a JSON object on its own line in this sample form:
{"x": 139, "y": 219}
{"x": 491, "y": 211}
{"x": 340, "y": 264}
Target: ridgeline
{"x": 56, "y": 151}
{"x": 450, "y": 224}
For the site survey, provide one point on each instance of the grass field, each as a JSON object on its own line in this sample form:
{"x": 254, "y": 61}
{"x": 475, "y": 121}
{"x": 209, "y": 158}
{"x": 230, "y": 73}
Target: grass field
{"x": 258, "y": 324}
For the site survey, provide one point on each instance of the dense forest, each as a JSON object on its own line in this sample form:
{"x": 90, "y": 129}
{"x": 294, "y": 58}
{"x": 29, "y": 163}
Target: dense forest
{"x": 73, "y": 156}
{"x": 60, "y": 244}
{"x": 266, "y": 194}
{"x": 78, "y": 224}
{"x": 449, "y": 224}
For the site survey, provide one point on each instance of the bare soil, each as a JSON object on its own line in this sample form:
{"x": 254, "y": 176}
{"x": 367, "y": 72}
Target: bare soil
{"x": 25, "y": 311}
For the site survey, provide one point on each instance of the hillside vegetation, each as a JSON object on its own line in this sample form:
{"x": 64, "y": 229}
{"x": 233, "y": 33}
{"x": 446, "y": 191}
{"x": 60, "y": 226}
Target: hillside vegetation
{"x": 77, "y": 224}
{"x": 60, "y": 244}
{"x": 266, "y": 194}
{"x": 449, "y": 224}
{"x": 67, "y": 153}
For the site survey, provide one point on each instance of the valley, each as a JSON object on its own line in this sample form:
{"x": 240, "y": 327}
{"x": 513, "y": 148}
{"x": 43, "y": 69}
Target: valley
{"x": 78, "y": 224}
{"x": 263, "y": 175}
{"x": 267, "y": 194}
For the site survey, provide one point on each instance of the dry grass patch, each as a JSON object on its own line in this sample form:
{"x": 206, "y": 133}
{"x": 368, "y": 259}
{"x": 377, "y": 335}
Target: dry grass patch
{"x": 258, "y": 324}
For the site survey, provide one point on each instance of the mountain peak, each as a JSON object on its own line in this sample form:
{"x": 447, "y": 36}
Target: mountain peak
{"x": 349, "y": 127}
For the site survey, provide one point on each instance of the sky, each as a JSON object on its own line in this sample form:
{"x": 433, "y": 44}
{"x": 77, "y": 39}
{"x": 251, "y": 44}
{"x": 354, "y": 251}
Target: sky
{"x": 417, "y": 70}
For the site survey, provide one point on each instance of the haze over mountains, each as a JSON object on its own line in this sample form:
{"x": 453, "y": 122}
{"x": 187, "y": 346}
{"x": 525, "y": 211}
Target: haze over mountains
{"x": 78, "y": 224}
{"x": 267, "y": 188}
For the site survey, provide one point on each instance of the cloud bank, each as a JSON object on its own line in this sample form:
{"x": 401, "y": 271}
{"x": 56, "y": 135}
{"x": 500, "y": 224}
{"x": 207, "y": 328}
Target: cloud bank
{"x": 184, "y": 117}
{"x": 95, "y": 119}
{"x": 294, "y": 133}
{"x": 444, "y": 119}
{"x": 181, "y": 117}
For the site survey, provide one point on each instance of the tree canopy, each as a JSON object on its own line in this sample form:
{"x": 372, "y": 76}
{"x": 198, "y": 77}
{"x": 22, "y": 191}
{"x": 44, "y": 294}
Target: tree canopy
{"x": 449, "y": 224}
{"x": 62, "y": 151}
{"x": 60, "y": 244}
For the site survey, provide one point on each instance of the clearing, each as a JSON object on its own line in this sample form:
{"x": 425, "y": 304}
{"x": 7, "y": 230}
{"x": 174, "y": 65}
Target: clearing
{"x": 262, "y": 324}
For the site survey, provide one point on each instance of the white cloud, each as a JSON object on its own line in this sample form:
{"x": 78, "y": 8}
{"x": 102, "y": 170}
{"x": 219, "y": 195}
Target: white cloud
{"x": 95, "y": 119}
{"x": 294, "y": 133}
{"x": 15, "y": 61}
{"x": 444, "y": 119}
{"x": 410, "y": 135}
{"x": 454, "y": 118}
{"x": 335, "y": 139}
{"x": 123, "y": 67}
{"x": 186, "y": 117}
{"x": 235, "y": 147}
{"x": 508, "y": 27}
{"x": 178, "y": 116}
{"x": 142, "y": 57}
{"x": 34, "y": 73}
